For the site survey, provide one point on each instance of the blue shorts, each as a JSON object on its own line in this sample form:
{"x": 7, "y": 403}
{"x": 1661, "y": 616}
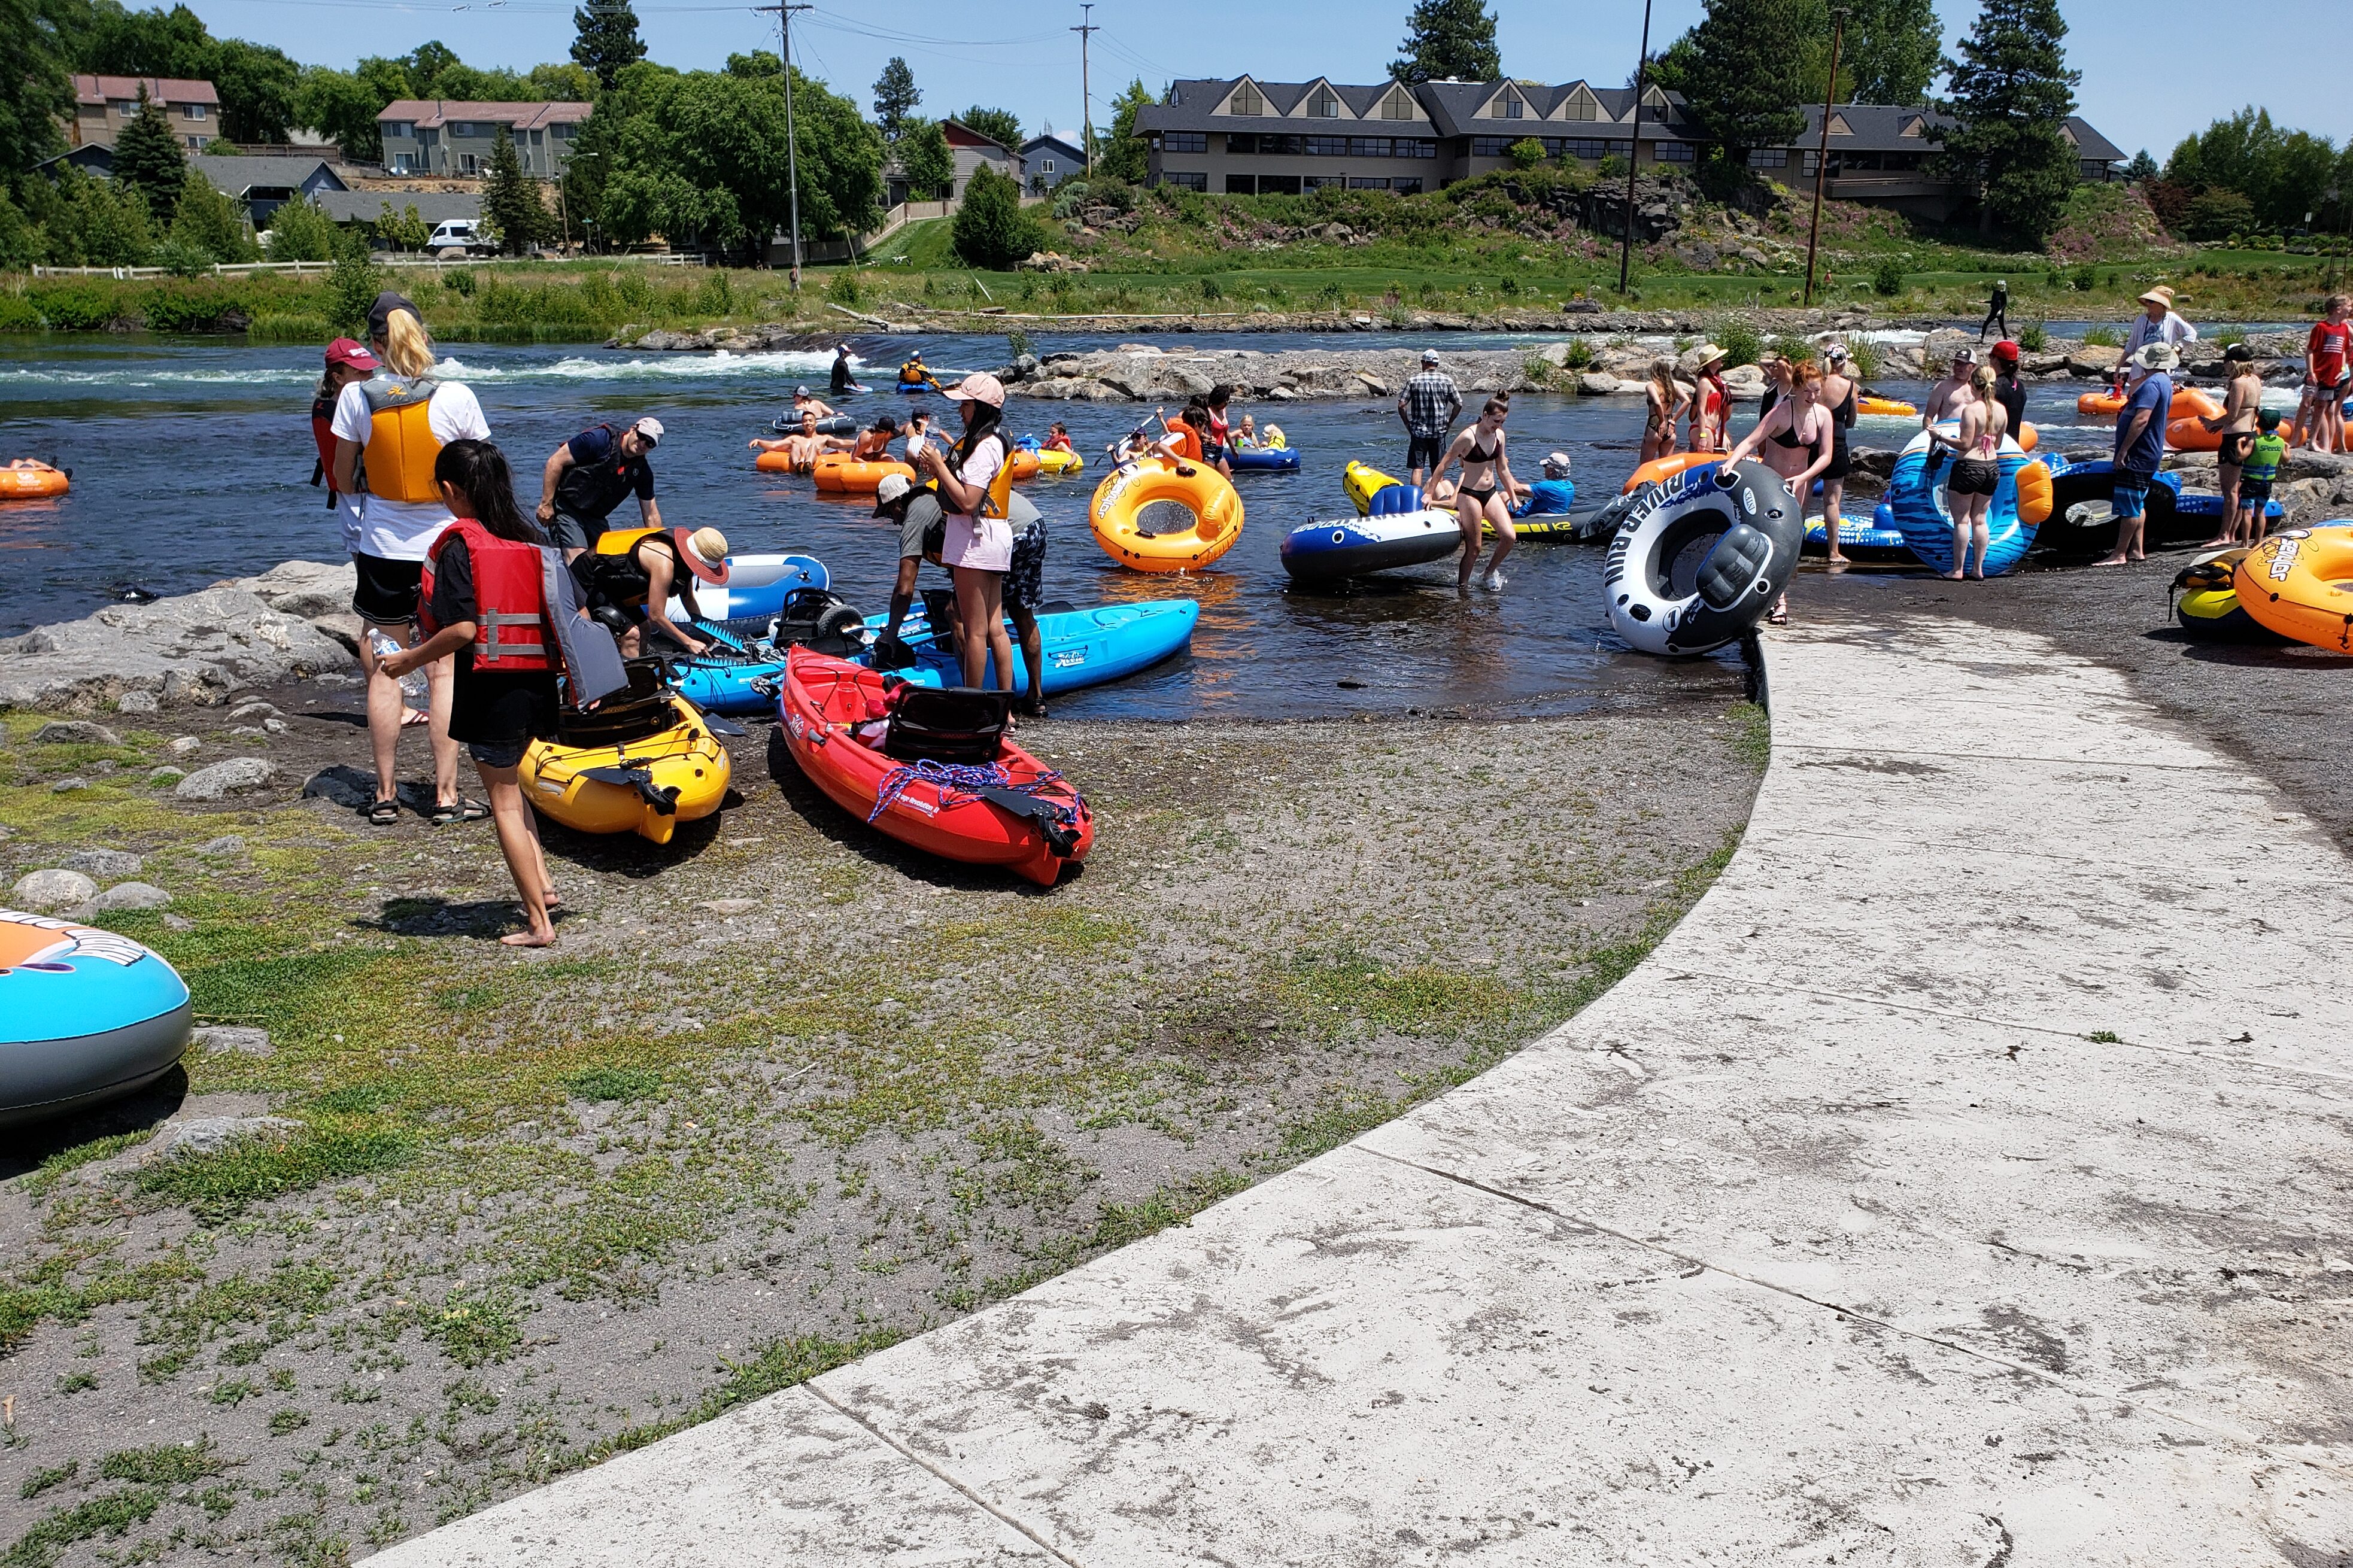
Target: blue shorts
{"x": 2130, "y": 497}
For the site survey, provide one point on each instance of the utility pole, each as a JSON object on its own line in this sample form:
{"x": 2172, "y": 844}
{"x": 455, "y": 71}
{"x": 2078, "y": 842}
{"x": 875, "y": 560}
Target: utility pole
{"x": 1634, "y": 151}
{"x": 1085, "y": 29}
{"x": 792, "y": 148}
{"x": 1822, "y": 153}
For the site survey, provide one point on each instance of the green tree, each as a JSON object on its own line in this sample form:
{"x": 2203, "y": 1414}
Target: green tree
{"x": 2142, "y": 169}
{"x": 302, "y": 231}
{"x": 991, "y": 230}
{"x": 1448, "y": 38}
{"x": 1526, "y": 154}
{"x": 352, "y": 286}
{"x": 402, "y": 230}
{"x": 607, "y": 39}
{"x": 2283, "y": 175}
{"x": 2012, "y": 93}
{"x": 1669, "y": 71}
{"x": 895, "y": 97}
{"x": 510, "y": 198}
{"x": 256, "y": 83}
{"x": 926, "y": 160}
{"x": 1891, "y": 51}
{"x": 85, "y": 222}
{"x": 560, "y": 82}
{"x": 424, "y": 65}
{"x": 148, "y": 160}
{"x": 36, "y": 93}
{"x": 1124, "y": 155}
{"x": 256, "y": 86}
{"x": 206, "y": 220}
{"x": 1001, "y": 126}
{"x": 1737, "y": 89}
{"x": 339, "y": 105}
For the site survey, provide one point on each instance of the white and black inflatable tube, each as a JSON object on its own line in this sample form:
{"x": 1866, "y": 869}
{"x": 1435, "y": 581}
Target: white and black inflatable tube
{"x": 1701, "y": 558}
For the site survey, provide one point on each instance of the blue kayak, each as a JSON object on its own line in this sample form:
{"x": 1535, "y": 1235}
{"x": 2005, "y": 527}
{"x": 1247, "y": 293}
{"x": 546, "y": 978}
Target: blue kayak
{"x": 1268, "y": 460}
{"x": 756, "y": 587}
{"x": 1081, "y": 649}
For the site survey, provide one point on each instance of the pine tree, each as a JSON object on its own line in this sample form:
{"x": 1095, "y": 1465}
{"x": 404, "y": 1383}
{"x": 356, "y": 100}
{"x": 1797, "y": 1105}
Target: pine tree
{"x": 607, "y": 38}
{"x": 2142, "y": 169}
{"x": 148, "y": 160}
{"x": 1449, "y": 39}
{"x": 510, "y": 201}
{"x": 895, "y": 97}
{"x": 1738, "y": 86}
{"x": 991, "y": 230}
{"x": 2012, "y": 93}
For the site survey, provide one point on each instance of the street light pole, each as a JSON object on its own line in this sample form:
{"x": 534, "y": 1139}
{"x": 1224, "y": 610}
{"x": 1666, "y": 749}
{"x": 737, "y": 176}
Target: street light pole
{"x": 1634, "y": 151}
{"x": 1085, "y": 29}
{"x": 792, "y": 147}
{"x": 1822, "y": 153}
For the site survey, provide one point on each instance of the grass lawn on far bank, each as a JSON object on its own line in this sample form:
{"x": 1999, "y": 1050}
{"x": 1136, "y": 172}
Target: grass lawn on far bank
{"x": 783, "y": 1093}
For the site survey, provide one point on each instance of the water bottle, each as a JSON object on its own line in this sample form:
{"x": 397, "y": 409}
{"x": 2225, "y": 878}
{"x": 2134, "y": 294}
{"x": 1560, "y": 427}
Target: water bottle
{"x": 412, "y": 685}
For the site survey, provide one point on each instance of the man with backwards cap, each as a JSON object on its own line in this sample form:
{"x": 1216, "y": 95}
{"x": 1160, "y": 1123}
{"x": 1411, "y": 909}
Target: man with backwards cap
{"x": 2008, "y": 389}
{"x": 588, "y": 476}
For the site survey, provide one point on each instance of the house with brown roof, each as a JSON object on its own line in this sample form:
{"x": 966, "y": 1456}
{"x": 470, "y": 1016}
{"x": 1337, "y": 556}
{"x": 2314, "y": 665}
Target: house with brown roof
{"x": 452, "y": 138}
{"x": 104, "y": 105}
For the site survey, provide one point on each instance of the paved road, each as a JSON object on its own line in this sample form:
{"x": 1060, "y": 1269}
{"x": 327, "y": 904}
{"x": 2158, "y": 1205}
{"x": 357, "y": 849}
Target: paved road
{"x": 1965, "y": 1180}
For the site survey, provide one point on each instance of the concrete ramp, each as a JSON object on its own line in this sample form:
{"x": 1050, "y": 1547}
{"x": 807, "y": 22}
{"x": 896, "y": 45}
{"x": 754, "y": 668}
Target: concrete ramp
{"x": 1967, "y": 1180}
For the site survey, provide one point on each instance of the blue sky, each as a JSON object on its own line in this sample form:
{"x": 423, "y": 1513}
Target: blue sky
{"x": 2154, "y": 70}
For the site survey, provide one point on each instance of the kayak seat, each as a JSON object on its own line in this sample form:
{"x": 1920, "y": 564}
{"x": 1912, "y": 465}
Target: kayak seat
{"x": 1396, "y": 501}
{"x": 947, "y": 724}
{"x": 637, "y": 712}
{"x": 820, "y": 621}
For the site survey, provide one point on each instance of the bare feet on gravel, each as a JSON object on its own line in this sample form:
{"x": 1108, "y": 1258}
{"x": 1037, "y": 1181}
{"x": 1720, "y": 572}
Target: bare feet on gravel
{"x": 538, "y": 936}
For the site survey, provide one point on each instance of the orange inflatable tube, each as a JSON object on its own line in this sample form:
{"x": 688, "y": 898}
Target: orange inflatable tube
{"x": 1025, "y": 464}
{"x": 838, "y": 474}
{"x": 26, "y": 479}
{"x": 775, "y": 463}
{"x": 1659, "y": 470}
{"x": 2300, "y": 584}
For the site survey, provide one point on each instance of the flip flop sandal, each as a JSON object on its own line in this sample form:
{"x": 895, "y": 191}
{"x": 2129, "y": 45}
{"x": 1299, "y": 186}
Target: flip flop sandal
{"x": 411, "y": 717}
{"x": 382, "y": 813}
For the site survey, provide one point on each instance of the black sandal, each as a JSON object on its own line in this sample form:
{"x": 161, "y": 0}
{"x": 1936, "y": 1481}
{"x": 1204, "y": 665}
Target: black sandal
{"x": 459, "y": 811}
{"x": 382, "y": 813}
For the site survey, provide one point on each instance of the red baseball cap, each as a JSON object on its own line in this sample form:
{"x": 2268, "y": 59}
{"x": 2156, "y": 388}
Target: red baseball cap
{"x": 343, "y": 350}
{"x": 2005, "y": 349}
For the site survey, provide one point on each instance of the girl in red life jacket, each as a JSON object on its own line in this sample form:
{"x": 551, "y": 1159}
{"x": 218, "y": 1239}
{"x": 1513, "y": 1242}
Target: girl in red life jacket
{"x": 347, "y": 362}
{"x": 482, "y": 601}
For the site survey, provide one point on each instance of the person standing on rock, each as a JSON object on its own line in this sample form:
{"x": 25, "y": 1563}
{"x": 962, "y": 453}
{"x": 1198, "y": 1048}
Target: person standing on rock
{"x": 2327, "y": 376}
{"x": 488, "y": 614}
{"x": 1711, "y": 401}
{"x": 1841, "y": 394}
{"x": 590, "y": 475}
{"x": 1428, "y": 406}
{"x": 1996, "y": 309}
{"x": 2156, "y": 323}
{"x": 2242, "y": 401}
{"x": 2140, "y": 448}
{"x": 388, "y": 431}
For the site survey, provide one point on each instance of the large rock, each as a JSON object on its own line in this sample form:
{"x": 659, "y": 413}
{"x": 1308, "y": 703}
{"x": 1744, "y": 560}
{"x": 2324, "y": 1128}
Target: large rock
{"x": 211, "y": 1134}
{"x": 1597, "y": 383}
{"x": 50, "y": 892}
{"x": 75, "y": 733}
{"x": 306, "y": 588}
{"x": 2094, "y": 359}
{"x": 193, "y": 648}
{"x": 233, "y": 1039}
{"x": 129, "y": 896}
{"x": 225, "y": 778}
{"x": 104, "y": 862}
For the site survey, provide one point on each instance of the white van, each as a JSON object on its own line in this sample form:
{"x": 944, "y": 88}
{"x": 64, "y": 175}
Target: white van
{"x": 463, "y": 232}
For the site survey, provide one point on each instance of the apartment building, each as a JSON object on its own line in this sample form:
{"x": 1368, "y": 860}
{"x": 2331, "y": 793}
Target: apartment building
{"x": 453, "y": 139}
{"x": 104, "y": 105}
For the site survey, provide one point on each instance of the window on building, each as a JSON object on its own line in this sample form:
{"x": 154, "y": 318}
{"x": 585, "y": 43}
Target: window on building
{"x": 1278, "y": 184}
{"x": 1188, "y": 180}
{"x": 1370, "y": 147}
{"x": 1672, "y": 152}
{"x": 1398, "y": 105}
{"x": 1325, "y": 105}
{"x": 1046, "y": 165}
{"x": 1768, "y": 158}
{"x": 1181, "y": 141}
{"x": 1489, "y": 146}
{"x": 461, "y": 128}
{"x": 1590, "y": 147}
{"x": 1325, "y": 146}
{"x": 469, "y": 164}
{"x": 399, "y": 128}
{"x": 1406, "y": 187}
{"x": 1360, "y": 182}
{"x": 126, "y": 107}
{"x": 1242, "y": 184}
{"x": 1581, "y": 107}
{"x": 1512, "y": 108}
{"x": 1417, "y": 147}
{"x": 1246, "y": 100}
{"x": 1318, "y": 182}
{"x": 404, "y": 162}
{"x": 194, "y": 111}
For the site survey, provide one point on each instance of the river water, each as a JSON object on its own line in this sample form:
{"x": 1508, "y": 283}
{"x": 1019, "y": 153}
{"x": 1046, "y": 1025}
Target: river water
{"x": 192, "y": 458}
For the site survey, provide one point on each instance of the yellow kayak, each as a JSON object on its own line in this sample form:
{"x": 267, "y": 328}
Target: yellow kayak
{"x": 643, "y": 768}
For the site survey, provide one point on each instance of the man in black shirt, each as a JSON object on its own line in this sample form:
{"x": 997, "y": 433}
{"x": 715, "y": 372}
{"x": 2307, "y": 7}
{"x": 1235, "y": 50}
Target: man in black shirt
{"x": 590, "y": 475}
{"x": 2008, "y": 390}
{"x": 1997, "y": 309}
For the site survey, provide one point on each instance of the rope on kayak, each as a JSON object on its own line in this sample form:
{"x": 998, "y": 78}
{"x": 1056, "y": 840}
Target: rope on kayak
{"x": 968, "y": 778}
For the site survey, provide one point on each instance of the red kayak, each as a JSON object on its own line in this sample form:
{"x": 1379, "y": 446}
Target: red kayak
{"x": 940, "y": 777}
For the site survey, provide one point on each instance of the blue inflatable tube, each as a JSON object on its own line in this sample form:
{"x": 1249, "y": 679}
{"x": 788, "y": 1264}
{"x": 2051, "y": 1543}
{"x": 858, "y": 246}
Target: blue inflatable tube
{"x": 85, "y": 1015}
{"x": 832, "y": 425}
{"x": 1878, "y": 539}
{"x": 1915, "y": 501}
{"x": 1267, "y": 460}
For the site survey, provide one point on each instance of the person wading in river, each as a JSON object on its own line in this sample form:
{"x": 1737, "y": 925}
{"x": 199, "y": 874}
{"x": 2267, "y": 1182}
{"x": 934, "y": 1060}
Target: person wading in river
{"x": 1841, "y": 394}
{"x": 1793, "y": 440}
{"x": 1664, "y": 401}
{"x": 1484, "y": 497}
{"x": 1428, "y": 406}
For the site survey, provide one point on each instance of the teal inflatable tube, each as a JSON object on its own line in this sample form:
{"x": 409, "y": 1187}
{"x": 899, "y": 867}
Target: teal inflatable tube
{"x": 85, "y": 1015}
{"x": 1916, "y": 502}
{"x": 1080, "y": 647}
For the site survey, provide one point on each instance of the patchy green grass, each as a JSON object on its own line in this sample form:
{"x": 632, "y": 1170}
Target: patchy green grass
{"x": 222, "y": 1185}
{"x": 108, "y": 1514}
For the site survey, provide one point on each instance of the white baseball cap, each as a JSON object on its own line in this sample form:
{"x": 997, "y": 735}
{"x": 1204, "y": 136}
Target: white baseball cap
{"x": 650, "y": 428}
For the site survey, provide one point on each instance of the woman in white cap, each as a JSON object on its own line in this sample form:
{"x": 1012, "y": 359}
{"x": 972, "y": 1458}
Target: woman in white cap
{"x": 634, "y": 573}
{"x": 975, "y": 480}
{"x": 388, "y": 431}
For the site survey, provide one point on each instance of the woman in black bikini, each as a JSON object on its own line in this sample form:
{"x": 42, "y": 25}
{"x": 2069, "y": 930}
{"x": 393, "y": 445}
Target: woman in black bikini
{"x": 1485, "y": 496}
{"x": 1793, "y": 439}
{"x": 1840, "y": 396}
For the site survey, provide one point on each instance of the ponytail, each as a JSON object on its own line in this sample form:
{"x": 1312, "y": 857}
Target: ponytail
{"x": 407, "y": 350}
{"x": 478, "y": 470}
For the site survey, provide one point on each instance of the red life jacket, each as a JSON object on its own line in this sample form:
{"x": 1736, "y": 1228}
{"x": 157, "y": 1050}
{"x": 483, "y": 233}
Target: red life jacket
{"x": 511, "y": 623}
{"x": 323, "y": 432}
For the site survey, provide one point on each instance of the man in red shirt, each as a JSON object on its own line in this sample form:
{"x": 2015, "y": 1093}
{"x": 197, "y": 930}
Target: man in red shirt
{"x": 2326, "y": 354}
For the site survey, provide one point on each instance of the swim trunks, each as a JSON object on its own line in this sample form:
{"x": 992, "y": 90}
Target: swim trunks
{"x": 2235, "y": 447}
{"x": 1975, "y": 477}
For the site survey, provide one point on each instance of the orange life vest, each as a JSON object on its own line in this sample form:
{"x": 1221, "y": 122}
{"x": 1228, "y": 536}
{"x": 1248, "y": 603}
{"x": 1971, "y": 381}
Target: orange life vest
{"x": 401, "y": 445}
{"x": 510, "y": 624}
{"x": 1187, "y": 440}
